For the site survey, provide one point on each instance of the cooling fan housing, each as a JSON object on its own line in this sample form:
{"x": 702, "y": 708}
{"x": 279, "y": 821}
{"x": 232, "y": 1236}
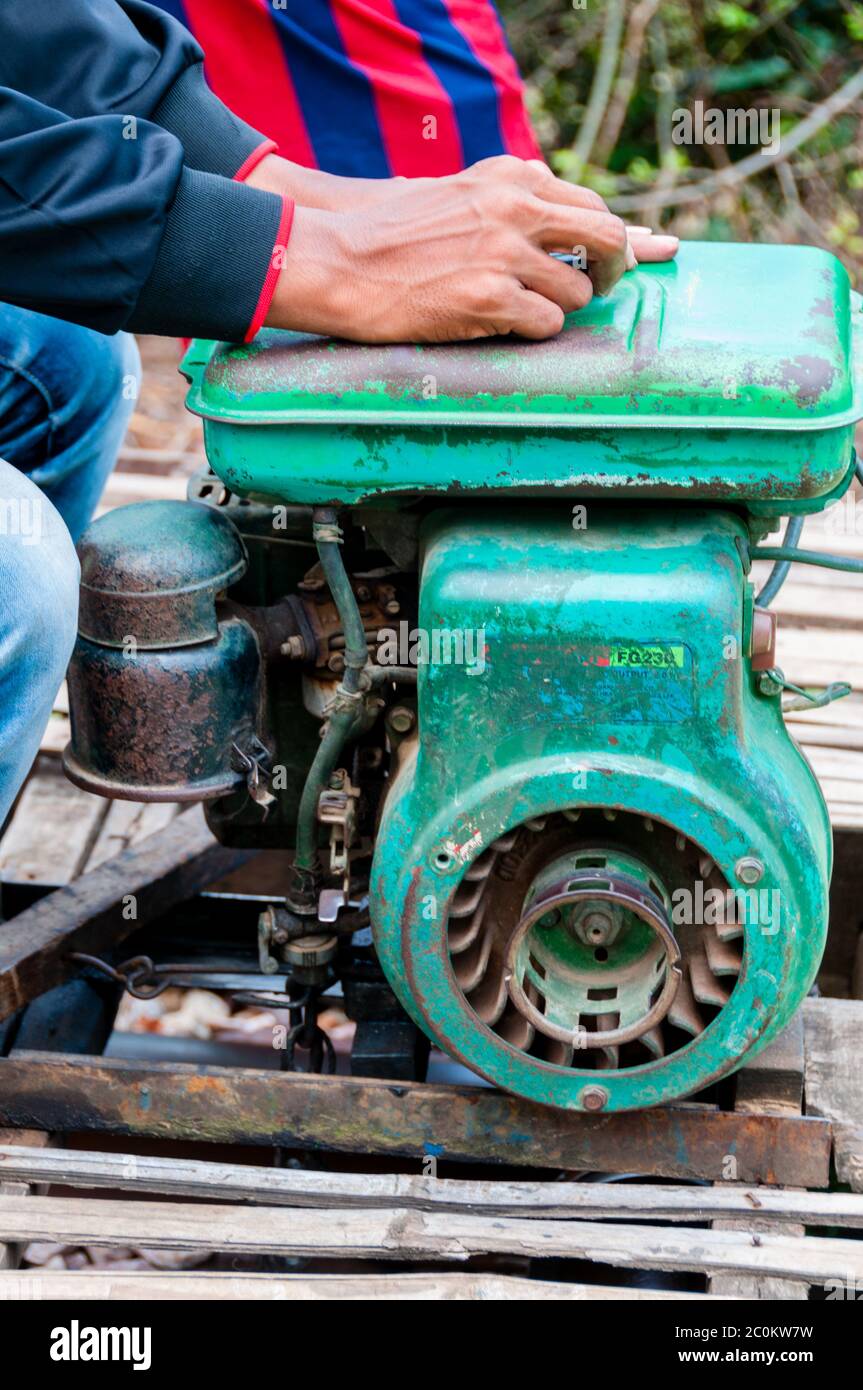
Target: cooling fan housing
{"x": 601, "y": 872}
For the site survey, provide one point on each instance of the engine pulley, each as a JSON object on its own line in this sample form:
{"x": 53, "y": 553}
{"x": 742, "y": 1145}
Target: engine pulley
{"x": 593, "y": 962}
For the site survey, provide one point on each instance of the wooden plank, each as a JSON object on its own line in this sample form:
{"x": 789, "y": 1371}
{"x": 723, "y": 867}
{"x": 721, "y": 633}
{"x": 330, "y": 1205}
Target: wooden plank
{"x": 844, "y": 815}
{"x": 401, "y": 1234}
{"x": 771, "y": 1084}
{"x": 154, "y": 1286}
{"x": 838, "y": 765}
{"x": 773, "y": 1080}
{"x": 812, "y": 656}
{"x": 833, "y": 1033}
{"x": 10, "y": 1252}
{"x": 127, "y": 823}
{"x": 846, "y": 713}
{"x": 51, "y": 832}
{"x": 104, "y": 907}
{"x": 58, "y": 732}
{"x": 123, "y": 488}
{"x": 836, "y": 606}
{"x": 811, "y": 735}
{"x": 201, "y": 1179}
{"x": 363, "y": 1115}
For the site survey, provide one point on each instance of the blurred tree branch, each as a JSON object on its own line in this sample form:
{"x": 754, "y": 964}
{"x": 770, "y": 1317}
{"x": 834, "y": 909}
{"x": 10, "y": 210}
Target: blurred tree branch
{"x": 605, "y": 81}
{"x": 756, "y": 163}
{"x": 633, "y": 45}
{"x": 603, "y": 78}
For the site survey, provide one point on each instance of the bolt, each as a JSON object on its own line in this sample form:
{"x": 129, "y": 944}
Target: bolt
{"x": 771, "y": 682}
{"x": 401, "y": 719}
{"x": 363, "y": 594}
{"x": 295, "y": 648}
{"x": 749, "y": 869}
{"x": 392, "y": 607}
{"x": 598, "y": 925}
{"x": 594, "y": 1098}
{"x": 336, "y": 663}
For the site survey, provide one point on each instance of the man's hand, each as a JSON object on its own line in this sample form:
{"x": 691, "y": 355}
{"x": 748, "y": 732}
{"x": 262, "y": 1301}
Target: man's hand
{"x": 648, "y": 246}
{"x": 453, "y": 258}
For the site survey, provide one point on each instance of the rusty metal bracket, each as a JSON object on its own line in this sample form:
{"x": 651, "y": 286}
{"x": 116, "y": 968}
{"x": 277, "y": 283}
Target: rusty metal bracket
{"x": 362, "y": 1115}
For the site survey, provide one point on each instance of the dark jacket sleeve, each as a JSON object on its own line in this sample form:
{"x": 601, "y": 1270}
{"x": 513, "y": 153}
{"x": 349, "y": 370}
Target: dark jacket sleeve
{"x": 104, "y": 219}
{"x": 123, "y": 57}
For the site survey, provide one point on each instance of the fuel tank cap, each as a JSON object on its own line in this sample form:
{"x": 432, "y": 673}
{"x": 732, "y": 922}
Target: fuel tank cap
{"x": 151, "y": 571}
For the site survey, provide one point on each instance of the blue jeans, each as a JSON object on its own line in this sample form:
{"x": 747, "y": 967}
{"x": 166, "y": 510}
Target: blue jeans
{"x": 66, "y": 394}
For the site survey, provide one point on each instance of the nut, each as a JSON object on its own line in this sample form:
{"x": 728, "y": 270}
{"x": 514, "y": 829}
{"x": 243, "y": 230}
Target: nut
{"x": 401, "y": 719}
{"x": 309, "y": 952}
{"x": 749, "y": 869}
{"x": 594, "y": 1098}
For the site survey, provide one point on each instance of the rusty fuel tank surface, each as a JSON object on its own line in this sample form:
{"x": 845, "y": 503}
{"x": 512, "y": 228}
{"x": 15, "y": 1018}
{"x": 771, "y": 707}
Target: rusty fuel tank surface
{"x": 703, "y": 378}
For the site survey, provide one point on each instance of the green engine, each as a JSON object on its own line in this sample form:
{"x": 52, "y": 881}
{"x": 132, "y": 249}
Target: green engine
{"x": 470, "y": 629}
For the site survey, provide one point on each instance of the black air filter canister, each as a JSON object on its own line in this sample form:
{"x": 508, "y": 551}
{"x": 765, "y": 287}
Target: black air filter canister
{"x": 161, "y": 689}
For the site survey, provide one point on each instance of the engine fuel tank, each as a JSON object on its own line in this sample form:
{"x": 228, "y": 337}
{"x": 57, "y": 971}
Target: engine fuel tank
{"x": 702, "y": 379}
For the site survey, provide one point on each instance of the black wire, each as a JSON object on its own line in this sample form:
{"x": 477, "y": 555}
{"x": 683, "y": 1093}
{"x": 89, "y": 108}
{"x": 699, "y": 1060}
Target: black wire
{"x": 779, "y": 572}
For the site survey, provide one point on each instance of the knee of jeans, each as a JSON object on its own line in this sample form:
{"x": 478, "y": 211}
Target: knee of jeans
{"x": 41, "y": 577}
{"x": 115, "y": 373}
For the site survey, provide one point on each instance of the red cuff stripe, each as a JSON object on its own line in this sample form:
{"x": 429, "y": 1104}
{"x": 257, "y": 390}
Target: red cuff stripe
{"x": 268, "y": 288}
{"x": 253, "y": 160}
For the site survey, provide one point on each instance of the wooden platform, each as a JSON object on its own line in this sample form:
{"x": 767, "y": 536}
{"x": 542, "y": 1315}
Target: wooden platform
{"x": 361, "y": 1234}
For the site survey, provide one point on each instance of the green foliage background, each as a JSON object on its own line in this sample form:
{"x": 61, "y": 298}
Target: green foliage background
{"x": 604, "y": 77}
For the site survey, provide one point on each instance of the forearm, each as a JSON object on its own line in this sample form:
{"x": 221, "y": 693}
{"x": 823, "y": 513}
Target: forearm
{"x": 312, "y": 188}
{"x": 114, "y": 233}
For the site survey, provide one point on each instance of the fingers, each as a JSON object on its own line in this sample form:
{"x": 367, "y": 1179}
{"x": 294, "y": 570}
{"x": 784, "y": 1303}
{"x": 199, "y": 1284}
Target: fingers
{"x": 564, "y": 285}
{"x": 545, "y": 185}
{"x": 533, "y": 316}
{"x": 651, "y": 247}
{"x": 535, "y": 175}
{"x": 601, "y": 235}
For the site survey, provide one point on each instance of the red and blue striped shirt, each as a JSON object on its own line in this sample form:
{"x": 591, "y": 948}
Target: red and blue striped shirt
{"x": 369, "y": 88}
